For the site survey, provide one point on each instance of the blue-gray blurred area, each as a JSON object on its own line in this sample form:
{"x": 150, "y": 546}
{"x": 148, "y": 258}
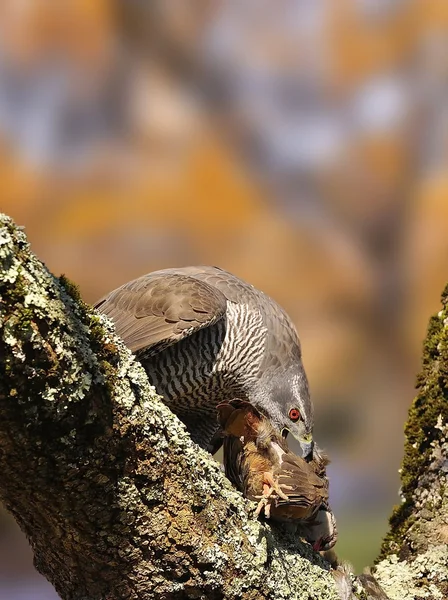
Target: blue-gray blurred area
{"x": 301, "y": 144}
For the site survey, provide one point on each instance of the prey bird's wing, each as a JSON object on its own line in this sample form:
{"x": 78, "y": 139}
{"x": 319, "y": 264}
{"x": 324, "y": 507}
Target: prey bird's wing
{"x": 302, "y": 485}
{"x": 235, "y": 466}
{"x": 159, "y": 309}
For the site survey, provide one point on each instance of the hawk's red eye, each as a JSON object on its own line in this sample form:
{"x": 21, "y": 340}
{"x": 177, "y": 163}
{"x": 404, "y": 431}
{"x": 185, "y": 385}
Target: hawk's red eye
{"x": 294, "y": 414}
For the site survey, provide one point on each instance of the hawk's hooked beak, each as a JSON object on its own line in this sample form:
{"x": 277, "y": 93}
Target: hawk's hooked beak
{"x": 306, "y": 444}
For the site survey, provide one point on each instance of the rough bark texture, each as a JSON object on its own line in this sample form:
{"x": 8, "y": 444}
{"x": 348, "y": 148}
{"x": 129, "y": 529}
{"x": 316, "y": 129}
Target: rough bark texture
{"x": 116, "y": 500}
{"x": 414, "y": 558}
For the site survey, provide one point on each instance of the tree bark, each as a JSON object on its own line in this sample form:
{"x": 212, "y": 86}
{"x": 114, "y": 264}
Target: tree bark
{"x": 118, "y": 502}
{"x": 114, "y": 497}
{"x": 414, "y": 556}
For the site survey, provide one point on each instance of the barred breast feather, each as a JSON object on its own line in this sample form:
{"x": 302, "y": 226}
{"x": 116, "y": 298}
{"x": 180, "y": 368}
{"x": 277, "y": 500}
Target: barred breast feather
{"x": 203, "y": 336}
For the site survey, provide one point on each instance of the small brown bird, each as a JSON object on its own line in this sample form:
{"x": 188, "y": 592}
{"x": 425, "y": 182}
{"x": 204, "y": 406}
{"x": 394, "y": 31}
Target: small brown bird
{"x": 289, "y": 489}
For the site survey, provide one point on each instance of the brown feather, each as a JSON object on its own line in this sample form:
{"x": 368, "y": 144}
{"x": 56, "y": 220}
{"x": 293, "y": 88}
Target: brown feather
{"x": 199, "y": 295}
{"x": 254, "y": 448}
{"x": 161, "y": 309}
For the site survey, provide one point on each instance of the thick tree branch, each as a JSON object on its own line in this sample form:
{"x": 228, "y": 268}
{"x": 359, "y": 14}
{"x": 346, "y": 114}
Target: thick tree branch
{"x": 415, "y": 553}
{"x": 116, "y": 500}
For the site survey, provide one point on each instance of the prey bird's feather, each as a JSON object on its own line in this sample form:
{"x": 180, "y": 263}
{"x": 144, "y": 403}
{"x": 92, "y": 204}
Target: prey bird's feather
{"x": 259, "y": 463}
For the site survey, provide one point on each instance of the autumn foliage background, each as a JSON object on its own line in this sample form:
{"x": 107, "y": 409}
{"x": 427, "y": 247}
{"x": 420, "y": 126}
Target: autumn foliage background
{"x": 300, "y": 144}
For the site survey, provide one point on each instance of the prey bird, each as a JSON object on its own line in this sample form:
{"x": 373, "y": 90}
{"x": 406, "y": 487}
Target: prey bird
{"x": 289, "y": 489}
{"x": 204, "y": 336}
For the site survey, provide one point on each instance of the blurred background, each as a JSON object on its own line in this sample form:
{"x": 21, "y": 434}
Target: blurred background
{"x": 300, "y": 144}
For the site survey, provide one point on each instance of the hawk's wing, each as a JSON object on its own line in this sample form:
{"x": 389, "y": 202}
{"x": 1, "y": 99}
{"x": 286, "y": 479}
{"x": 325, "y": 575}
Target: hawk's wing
{"x": 160, "y": 309}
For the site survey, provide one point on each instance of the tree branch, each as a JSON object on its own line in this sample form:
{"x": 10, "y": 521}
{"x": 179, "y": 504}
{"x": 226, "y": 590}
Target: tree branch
{"x": 415, "y": 552}
{"x": 114, "y": 497}
{"x": 118, "y": 503}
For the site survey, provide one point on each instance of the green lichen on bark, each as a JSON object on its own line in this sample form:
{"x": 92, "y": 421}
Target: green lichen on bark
{"x": 116, "y": 500}
{"x": 424, "y": 429}
{"x": 419, "y": 526}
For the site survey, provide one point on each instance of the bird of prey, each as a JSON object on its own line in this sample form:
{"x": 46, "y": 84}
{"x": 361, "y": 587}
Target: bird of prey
{"x": 258, "y": 462}
{"x": 204, "y": 336}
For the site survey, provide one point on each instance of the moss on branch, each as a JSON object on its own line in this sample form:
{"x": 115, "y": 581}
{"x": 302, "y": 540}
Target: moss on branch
{"x": 414, "y": 557}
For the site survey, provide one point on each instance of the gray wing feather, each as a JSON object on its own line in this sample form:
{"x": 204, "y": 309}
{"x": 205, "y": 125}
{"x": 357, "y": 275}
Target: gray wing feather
{"x": 161, "y": 308}
{"x": 282, "y": 344}
{"x": 173, "y": 303}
